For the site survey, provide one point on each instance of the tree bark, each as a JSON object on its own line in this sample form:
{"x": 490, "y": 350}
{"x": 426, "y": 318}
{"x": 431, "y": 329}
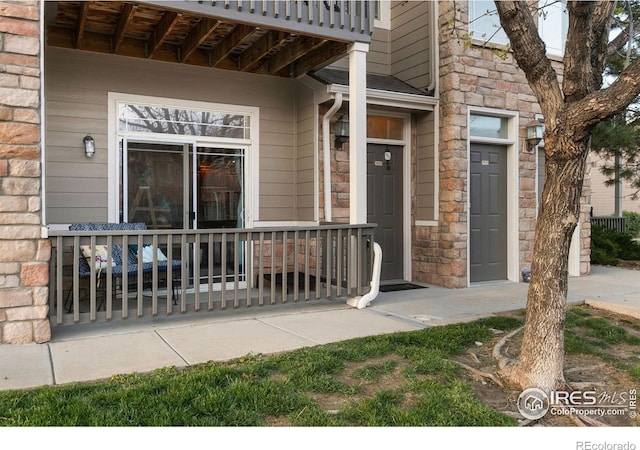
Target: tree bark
{"x": 570, "y": 114}
{"x": 541, "y": 359}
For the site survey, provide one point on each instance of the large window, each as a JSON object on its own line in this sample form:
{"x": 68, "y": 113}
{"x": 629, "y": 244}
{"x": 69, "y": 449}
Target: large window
{"x": 484, "y": 24}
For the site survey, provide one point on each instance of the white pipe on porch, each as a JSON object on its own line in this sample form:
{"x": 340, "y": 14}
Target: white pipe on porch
{"x": 326, "y": 154}
{"x": 362, "y": 301}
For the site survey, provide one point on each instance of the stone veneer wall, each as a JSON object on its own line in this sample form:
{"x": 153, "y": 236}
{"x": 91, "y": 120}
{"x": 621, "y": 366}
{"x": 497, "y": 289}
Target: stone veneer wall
{"x": 24, "y": 256}
{"x": 475, "y": 76}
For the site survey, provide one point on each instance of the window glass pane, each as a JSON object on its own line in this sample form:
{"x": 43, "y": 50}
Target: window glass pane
{"x": 488, "y": 126}
{"x": 166, "y": 120}
{"x": 484, "y": 23}
{"x": 553, "y": 25}
{"x": 155, "y": 185}
{"x": 385, "y": 127}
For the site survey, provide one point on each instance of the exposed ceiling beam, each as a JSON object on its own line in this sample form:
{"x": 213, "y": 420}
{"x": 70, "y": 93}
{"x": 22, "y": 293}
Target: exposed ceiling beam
{"x": 125, "y": 19}
{"x": 229, "y": 43}
{"x": 197, "y": 36}
{"x": 161, "y": 31}
{"x": 82, "y": 23}
{"x": 251, "y": 57}
{"x": 318, "y": 58}
{"x": 291, "y": 52}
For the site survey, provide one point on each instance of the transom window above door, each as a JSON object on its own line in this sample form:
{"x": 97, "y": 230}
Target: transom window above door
{"x": 180, "y": 121}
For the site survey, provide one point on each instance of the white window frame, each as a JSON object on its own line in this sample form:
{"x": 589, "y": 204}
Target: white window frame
{"x": 252, "y": 145}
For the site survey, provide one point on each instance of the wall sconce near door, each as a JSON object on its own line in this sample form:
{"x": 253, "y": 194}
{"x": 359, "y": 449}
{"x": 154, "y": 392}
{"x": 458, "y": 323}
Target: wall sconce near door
{"x": 535, "y": 130}
{"x": 89, "y": 146}
{"x": 341, "y": 131}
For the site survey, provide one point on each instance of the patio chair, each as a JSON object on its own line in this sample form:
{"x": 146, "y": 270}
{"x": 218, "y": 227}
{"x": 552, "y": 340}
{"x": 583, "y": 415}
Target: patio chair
{"x": 117, "y": 268}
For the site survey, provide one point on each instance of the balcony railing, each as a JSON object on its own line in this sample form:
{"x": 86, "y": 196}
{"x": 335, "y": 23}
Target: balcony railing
{"x": 187, "y": 271}
{"x": 349, "y": 20}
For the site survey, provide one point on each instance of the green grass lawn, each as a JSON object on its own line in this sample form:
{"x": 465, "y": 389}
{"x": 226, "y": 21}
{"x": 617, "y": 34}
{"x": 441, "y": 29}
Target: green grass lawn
{"x": 402, "y": 379}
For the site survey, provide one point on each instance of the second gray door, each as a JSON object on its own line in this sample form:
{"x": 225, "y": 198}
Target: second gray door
{"x": 488, "y": 213}
{"x": 384, "y": 206}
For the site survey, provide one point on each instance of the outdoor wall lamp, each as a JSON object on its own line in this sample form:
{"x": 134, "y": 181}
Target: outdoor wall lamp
{"x": 89, "y": 146}
{"x": 341, "y": 131}
{"x": 535, "y": 130}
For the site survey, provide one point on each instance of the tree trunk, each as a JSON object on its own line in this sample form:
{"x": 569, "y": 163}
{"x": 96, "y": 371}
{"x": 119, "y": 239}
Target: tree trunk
{"x": 541, "y": 359}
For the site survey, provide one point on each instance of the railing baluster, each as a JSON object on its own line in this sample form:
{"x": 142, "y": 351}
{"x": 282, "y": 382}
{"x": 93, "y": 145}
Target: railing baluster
{"x": 307, "y": 247}
{"x": 273, "y": 267}
{"x": 59, "y": 271}
{"x": 154, "y": 277}
{"x": 170, "y": 287}
{"x": 109, "y": 287}
{"x": 318, "y": 262}
{"x": 285, "y": 267}
{"x": 140, "y": 279}
{"x": 196, "y": 273}
{"x": 124, "y": 280}
{"x": 261, "y": 269}
{"x": 94, "y": 280}
{"x": 352, "y": 16}
{"x": 296, "y": 277}
{"x": 236, "y": 277}
{"x": 183, "y": 288}
{"x": 245, "y": 254}
{"x": 76, "y": 279}
{"x": 359, "y": 259}
{"x": 350, "y": 261}
{"x": 339, "y": 263}
{"x": 329, "y": 263}
{"x": 223, "y": 270}
{"x": 210, "y": 260}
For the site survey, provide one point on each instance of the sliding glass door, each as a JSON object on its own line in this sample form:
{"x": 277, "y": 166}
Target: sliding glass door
{"x": 182, "y": 185}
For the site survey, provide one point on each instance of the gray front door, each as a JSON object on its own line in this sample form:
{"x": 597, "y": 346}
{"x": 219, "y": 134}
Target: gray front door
{"x": 384, "y": 206}
{"x": 488, "y": 213}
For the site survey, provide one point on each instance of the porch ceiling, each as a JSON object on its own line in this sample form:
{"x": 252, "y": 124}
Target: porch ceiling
{"x": 146, "y": 31}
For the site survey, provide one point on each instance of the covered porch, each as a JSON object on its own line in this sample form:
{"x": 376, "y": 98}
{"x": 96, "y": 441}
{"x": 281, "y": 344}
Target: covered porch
{"x": 199, "y": 129}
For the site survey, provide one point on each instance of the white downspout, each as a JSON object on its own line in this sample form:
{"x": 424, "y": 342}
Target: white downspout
{"x": 361, "y": 302}
{"x": 326, "y": 154}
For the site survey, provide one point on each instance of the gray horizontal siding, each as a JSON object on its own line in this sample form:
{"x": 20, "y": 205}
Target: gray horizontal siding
{"x": 306, "y": 151}
{"x": 410, "y": 43}
{"x": 425, "y": 167}
{"x": 76, "y": 98}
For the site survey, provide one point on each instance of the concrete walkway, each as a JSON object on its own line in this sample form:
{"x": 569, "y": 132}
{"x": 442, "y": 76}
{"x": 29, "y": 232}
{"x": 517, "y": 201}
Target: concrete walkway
{"x": 98, "y": 351}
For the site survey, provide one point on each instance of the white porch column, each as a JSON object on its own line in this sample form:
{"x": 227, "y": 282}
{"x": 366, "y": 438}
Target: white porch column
{"x": 358, "y": 132}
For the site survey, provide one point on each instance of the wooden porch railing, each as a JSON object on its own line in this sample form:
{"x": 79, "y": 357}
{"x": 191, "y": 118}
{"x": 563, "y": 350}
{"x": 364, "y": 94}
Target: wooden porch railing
{"x": 204, "y": 270}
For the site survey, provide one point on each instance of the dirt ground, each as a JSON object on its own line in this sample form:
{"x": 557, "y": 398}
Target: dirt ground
{"x": 582, "y": 372}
